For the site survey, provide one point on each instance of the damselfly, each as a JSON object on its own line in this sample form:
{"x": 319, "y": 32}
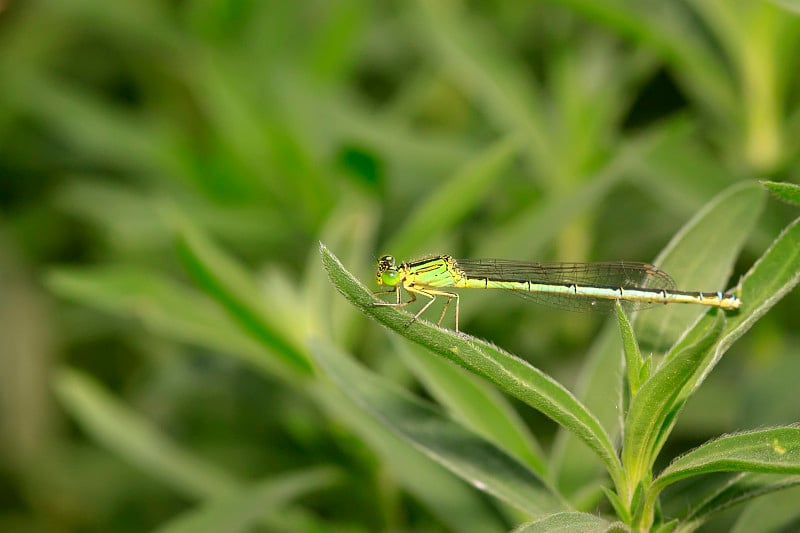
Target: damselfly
{"x": 573, "y": 286}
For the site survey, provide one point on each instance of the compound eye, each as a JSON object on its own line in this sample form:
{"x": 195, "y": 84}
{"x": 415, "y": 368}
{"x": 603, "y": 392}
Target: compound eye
{"x": 386, "y": 261}
{"x": 390, "y": 278}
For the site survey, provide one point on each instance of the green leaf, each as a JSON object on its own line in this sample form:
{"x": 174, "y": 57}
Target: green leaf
{"x": 666, "y": 527}
{"x": 680, "y": 174}
{"x": 242, "y": 509}
{"x": 401, "y": 144}
{"x": 477, "y": 404}
{"x": 759, "y": 42}
{"x": 620, "y": 508}
{"x": 633, "y": 357}
{"x": 186, "y": 315}
{"x": 461, "y": 451}
{"x": 166, "y": 308}
{"x": 737, "y": 490}
{"x": 647, "y": 369}
{"x": 655, "y": 406}
{"x": 351, "y": 229}
{"x": 229, "y": 284}
{"x": 788, "y": 192}
{"x": 335, "y": 43}
{"x": 534, "y": 229}
{"x": 490, "y": 73}
{"x": 128, "y": 217}
{"x": 771, "y": 512}
{"x": 447, "y": 204}
{"x": 700, "y": 257}
{"x": 510, "y": 373}
{"x": 668, "y": 31}
{"x": 599, "y": 383}
{"x": 457, "y": 505}
{"x": 136, "y": 440}
{"x": 775, "y": 274}
{"x": 567, "y": 522}
{"x": 92, "y": 126}
{"x": 774, "y": 451}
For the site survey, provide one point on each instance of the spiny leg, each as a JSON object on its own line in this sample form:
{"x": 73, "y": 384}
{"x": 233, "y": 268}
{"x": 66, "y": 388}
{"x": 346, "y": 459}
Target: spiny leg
{"x": 450, "y": 297}
{"x": 432, "y": 294}
{"x": 428, "y": 293}
{"x": 412, "y": 290}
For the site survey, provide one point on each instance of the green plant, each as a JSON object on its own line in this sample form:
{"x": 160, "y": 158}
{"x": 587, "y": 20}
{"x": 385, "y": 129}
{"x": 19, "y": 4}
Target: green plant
{"x": 656, "y": 393}
{"x": 167, "y": 170}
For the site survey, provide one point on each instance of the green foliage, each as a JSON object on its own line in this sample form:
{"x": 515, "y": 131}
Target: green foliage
{"x": 175, "y": 357}
{"x": 655, "y": 402}
{"x": 514, "y": 375}
{"x": 788, "y": 192}
{"x": 569, "y": 521}
{"x": 445, "y": 441}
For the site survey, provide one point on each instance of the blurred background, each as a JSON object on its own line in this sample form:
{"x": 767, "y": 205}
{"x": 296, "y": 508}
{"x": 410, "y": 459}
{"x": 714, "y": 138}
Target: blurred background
{"x": 549, "y": 130}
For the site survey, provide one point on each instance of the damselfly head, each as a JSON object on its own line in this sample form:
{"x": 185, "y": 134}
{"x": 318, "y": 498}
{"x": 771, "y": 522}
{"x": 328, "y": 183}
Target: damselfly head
{"x": 387, "y": 271}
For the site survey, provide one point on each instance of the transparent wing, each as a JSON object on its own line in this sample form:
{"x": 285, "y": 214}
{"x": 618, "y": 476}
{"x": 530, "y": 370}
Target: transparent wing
{"x": 612, "y": 275}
